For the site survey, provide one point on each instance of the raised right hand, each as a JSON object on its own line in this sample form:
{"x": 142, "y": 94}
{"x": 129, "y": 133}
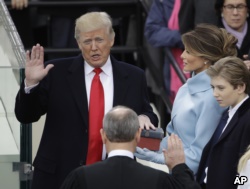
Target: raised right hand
{"x": 174, "y": 154}
{"x": 34, "y": 70}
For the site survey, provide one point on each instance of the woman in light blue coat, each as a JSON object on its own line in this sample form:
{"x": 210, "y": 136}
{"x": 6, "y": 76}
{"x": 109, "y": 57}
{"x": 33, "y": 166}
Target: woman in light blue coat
{"x": 196, "y": 113}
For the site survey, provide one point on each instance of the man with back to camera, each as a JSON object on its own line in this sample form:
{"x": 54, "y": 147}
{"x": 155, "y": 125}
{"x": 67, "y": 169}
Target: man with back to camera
{"x": 62, "y": 89}
{"x": 121, "y": 134}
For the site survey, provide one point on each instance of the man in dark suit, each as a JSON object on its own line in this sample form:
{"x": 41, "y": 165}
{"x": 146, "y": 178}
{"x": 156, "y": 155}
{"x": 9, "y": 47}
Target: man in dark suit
{"x": 121, "y": 134}
{"x": 63, "y": 94}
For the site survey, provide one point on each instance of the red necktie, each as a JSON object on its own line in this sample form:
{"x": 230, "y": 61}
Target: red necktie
{"x": 96, "y": 113}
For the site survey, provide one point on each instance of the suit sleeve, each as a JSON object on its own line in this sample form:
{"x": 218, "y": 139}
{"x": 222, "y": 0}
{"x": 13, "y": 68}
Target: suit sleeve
{"x": 185, "y": 175}
{"x": 181, "y": 178}
{"x": 30, "y": 107}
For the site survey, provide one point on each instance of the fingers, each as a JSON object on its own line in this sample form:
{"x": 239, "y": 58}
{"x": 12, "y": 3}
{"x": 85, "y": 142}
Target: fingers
{"x": 19, "y": 4}
{"x": 141, "y": 124}
{"x": 175, "y": 153}
{"x": 25, "y": 3}
{"x": 247, "y": 62}
{"x": 37, "y": 52}
{"x": 138, "y": 149}
{"x": 27, "y": 56}
{"x": 148, "y": 126}
{"x": 41, "y": 55}
{"x": 141, "y": 151}
{"x": 174, "y": 142}
{"x": 175, "y": 146}
{"x": 151, "y": 126}
{"x": 245, "y": 56}
{"x": 145, "y": 122}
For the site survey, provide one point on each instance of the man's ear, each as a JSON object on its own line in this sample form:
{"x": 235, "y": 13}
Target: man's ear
{"x": 138, "y": 135}
{"x": 104, "y": 137}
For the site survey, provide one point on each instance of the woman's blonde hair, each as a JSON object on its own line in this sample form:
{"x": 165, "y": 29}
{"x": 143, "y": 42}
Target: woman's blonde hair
{"x": 243, "y": 160}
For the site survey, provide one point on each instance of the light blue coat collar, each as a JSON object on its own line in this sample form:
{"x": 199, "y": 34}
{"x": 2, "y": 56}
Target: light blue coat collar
{"x": 198, "y": 83}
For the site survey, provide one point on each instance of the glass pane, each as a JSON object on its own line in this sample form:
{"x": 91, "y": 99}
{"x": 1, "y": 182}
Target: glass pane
{"x": 12, "y": 58}
{"x": 11, "y": 52}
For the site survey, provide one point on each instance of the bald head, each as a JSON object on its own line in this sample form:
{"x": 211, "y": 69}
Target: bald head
{"x": 121, "y": 124}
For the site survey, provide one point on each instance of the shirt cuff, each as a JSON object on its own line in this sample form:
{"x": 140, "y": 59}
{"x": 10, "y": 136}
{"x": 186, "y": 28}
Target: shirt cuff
{"x": 28, "y": 89}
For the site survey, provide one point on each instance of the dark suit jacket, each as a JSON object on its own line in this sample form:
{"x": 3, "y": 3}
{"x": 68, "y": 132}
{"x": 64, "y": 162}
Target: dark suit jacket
{"x": 227, "y": 151}
{"x": 120, "y": 172}
{"x": 62, "y": 95}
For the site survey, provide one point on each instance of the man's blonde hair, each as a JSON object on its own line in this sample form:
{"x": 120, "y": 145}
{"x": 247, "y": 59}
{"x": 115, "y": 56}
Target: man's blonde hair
{"x": 93, "y": 21}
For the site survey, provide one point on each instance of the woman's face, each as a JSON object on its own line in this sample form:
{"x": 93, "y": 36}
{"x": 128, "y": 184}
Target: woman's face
{"x": 235, "y": 13}
{"x": 225, "y": 94}
{"x": 193, "y": 63}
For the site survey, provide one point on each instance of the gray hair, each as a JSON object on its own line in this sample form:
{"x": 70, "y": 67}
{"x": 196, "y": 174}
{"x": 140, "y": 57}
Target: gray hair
{"x": 93, "y": 21}
{"x": 121, "y": 124}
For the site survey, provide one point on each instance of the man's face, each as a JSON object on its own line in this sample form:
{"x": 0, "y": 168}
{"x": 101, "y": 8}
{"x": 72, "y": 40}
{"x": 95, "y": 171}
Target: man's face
{"x": 95, "y": 46}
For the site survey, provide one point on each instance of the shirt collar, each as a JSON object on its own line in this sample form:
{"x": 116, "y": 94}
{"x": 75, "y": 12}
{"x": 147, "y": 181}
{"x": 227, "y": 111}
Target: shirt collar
{"x": 231, "y": 110}
{"x": 121, "y": 153}
{"x": 106, "y": 68}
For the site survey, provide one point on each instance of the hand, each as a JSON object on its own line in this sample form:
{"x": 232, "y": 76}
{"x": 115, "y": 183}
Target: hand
{"x": 247, "y": 61}
{"x": 174, "y": 155}
{"x": 19, "y": 4}
{"x": 34, "y": 70}
{"x": 148, "y": 155}
{"x": 145, "y": 122}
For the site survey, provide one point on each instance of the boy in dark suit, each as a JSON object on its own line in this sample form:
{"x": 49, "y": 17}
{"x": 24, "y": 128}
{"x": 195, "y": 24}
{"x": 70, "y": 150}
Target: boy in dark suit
{"x": 230, "y": 80}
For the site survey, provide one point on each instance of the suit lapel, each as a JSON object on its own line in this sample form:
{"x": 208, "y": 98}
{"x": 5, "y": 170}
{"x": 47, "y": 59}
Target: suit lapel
{"x": 120, "y": 82}
{"x": 235, "y": 119}
{"x": 76, "y": 81}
